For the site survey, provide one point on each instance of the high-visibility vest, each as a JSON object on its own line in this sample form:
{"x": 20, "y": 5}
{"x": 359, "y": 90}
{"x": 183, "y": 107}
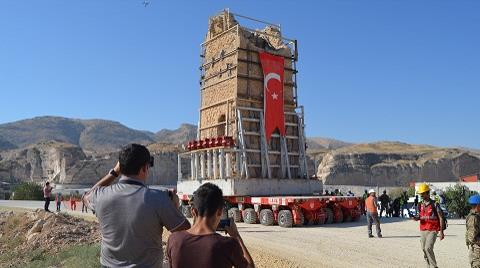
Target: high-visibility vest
{"x": 371, "y": 205}
{"x": 429, "y": 220}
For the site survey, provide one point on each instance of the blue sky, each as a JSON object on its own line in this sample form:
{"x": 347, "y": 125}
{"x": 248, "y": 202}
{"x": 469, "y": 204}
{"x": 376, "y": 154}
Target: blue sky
{"x": 368, "y": 70}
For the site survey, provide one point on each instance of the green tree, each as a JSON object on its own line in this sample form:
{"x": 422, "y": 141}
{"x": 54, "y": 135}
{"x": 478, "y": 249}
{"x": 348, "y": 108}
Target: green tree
{"x": 457, "y": 199}
{"x": 411, "y": 192}
{"x": 28, "y": 191}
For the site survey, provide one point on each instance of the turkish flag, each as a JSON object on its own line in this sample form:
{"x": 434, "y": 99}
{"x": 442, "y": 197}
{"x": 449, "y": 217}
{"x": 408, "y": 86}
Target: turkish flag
{"x": 273, "y": 93}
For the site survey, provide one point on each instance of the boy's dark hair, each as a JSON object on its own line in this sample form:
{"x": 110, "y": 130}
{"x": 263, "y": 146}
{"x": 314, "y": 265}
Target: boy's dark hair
{"x": 47, "y": 183}
{"x": 207, "y": 199}
{"x": 132, "y": 158}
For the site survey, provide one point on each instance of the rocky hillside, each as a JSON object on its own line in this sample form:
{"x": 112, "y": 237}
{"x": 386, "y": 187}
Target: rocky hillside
{"x": 67, "y": 164}
{"x": 92, "y": 136}
{"x": 319, "y": 143}
{"x": 184, "y": 133}
{"x": 394, "y": 164}
{"x": 81, "y": 151}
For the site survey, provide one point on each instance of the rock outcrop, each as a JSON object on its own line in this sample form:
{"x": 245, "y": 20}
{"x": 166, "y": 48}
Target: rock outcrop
{"x": 46, "y": 160}
{"x": 67, "y": 164}
{"x": 395, "y": 164}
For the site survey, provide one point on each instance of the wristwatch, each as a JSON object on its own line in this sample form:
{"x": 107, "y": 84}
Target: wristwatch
{"x": 113, "y": 173}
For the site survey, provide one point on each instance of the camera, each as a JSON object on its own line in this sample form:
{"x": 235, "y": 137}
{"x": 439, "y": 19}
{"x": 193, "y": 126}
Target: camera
{"x": 224, "y": 220}
{"x": 223, "y": 223}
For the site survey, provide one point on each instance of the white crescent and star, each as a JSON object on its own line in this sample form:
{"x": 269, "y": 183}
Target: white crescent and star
{"x": 267, "y": 78}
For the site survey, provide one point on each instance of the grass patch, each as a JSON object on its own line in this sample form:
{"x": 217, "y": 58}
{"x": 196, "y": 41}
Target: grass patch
{"x": 71, "y": 257}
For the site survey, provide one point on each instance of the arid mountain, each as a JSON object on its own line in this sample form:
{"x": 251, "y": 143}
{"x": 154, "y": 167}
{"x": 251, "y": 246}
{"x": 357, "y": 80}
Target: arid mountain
{"x": 93, "y": 136}
{"x": 184, "y": 133}
{"x": 81, "y": 151}
{"x": 316, "y": 143}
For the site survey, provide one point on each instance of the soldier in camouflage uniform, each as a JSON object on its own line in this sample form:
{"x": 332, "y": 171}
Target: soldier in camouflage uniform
{"x": 472, "y": 236}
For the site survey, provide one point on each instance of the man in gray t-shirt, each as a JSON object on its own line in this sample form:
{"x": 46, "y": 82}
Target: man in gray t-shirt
{"x": 131, "y": 215}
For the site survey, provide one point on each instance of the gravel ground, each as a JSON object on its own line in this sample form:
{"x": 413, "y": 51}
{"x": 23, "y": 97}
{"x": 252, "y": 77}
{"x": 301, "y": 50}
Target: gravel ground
{"x": 347, "y": 245}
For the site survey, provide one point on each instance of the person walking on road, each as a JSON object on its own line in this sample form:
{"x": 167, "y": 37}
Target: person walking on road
{"x": 472, "y": 236}
{"x": 384, "y": 201}
{"x": 362, "y": 204}
{"x": 47, "y": 191}
{"x": 58, "y": 200}
{"x": 415, "y": 203}
{"x": 372, "y": 213}
{"x": 73, "y": 202}
{"x": 431, "y": 224}
{"x": 84, "y": 206}
{"x": 403, "y": 203}
{"x": 131, "y": 215}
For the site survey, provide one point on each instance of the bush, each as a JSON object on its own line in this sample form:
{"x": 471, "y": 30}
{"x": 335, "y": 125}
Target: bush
{"x": 28, "y": 191}
{"x": 457, "y": 199}
{"x": 411, "y": 192}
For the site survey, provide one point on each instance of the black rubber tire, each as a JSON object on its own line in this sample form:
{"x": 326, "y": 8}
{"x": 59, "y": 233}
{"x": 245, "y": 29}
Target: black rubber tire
{"x": 329, "y": 214}
{"x": 249, "y": 216}
{"x": 187, "y": 211}
{"x": 235, "y": 214}
{"x": 320, "y": 220}
{"x": 340, "y": 217}
{"x": 266, "y": 217}
{"x": 285, "y": 218}
{"x": 302, "y": 220}
{"x": 347, "y": 216}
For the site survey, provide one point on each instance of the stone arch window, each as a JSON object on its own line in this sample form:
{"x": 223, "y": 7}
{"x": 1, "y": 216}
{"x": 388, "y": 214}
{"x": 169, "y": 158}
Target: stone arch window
{"x": 220, "y": 126}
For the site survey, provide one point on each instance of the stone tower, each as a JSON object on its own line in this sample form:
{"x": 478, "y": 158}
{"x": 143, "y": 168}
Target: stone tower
{"x": 232, "y": 105}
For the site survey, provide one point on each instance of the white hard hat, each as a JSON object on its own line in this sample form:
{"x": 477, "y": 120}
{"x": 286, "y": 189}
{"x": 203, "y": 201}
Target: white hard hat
{"x": 371, "y": 191}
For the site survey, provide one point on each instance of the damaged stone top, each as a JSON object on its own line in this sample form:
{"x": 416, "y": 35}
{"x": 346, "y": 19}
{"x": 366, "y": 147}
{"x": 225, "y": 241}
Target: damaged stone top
{"x": 269, "y": 38}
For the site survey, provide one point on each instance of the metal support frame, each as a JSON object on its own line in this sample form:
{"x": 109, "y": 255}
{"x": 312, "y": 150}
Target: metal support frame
{"x": 286, "y": 161}
{"x": 241, "y": 140}
{"x": 301, "y": 143}
{"x": 264, "y": 149}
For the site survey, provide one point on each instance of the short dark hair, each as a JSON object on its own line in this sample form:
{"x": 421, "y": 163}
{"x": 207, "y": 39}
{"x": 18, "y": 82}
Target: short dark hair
{"x": 47, "y": 183}
{"x": 207, "y": 199}
{"x": 132, "y": 158}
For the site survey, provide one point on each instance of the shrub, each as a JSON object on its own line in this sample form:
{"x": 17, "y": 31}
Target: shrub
{"x": 28, "y": 191}
{"x": 457, "y": 199}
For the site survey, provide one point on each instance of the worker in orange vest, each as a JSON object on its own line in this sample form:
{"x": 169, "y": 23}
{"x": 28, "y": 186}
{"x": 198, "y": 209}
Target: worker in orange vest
{"x": 372, "y": 213}
{"x": 431, "y": 223}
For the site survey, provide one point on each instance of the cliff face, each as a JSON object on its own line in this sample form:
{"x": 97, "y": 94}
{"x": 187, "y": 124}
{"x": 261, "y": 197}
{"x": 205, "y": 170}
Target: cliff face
{"x": 395, "y": 164}
{"x": 67, "y": 164}
{"x": 46, "y": 160}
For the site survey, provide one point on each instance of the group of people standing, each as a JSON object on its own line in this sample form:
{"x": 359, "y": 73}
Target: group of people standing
{"x": 72, "y": 200}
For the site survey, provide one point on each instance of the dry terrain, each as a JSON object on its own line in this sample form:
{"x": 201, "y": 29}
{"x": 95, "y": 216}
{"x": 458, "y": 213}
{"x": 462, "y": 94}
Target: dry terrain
{"x": 336, "y": 245}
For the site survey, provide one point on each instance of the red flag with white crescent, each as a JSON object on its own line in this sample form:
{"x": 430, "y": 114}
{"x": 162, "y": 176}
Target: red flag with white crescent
{"x": 273, "y": 93}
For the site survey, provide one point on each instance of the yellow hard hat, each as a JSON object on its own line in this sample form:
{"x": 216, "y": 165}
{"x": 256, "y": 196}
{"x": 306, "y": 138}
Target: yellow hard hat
{"x": 422, "y": 188}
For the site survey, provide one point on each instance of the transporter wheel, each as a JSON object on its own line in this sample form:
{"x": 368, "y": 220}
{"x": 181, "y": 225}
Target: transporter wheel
{"x": 302, "y": 219}
{"x": 187, "y": 211}
{"x": 322, "y": 217}
{"x": 235, "y": 214}
{"x": 338, "y": 217}
{"x": 347, "y": 216}
{"x": 285, "y": 218}
{"x": 249, "y": 216}
{"x": 329, "y": 216}
{"x": 266, "y": 217}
